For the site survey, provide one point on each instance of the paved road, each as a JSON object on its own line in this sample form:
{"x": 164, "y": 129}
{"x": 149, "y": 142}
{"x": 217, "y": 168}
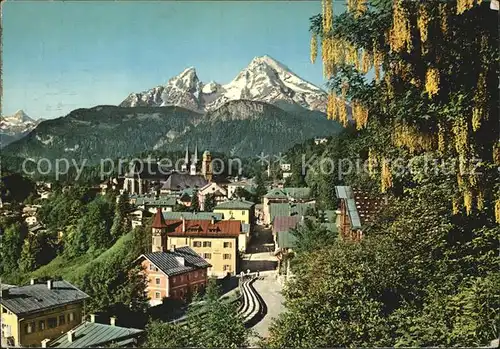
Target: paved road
{"x": 260, "y": 257}
{"x": 270, "y": 291}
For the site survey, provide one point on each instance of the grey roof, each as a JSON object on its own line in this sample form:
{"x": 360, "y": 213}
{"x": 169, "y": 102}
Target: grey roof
{"x": 34, "y": 298}
{"x": 236, "y": 204}
{"x": 245, "y": 228}
{"x": 286, "y": 239}
{"x": 91, "y": 334}
{"x": 193, "y": 215}
{"x": 344, "y": 192}
{"x": 180, "y": 181}
{"x": 353, "y": 214}
{"x": 152, "y": 201}
{"x": 289, "y": 209}
{"x": 167, "y": 263}
{"x": 289, "y": 193}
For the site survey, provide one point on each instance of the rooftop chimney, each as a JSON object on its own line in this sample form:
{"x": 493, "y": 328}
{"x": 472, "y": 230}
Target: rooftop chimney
{"x": 45, "y": 342}
{"x": 92, "y": 317}
{"x": 112, "y": 321}
{"x": 180, "y": 260}
{"x": 32, "y": 281}
{"x": 49, "y": 284}
{"x": 183, "y": 224}
{"x": 5, "y": 292}
{"x": 71, "y": 336}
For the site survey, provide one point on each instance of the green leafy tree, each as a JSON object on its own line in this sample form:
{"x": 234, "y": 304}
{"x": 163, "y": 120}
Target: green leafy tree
{"x": 121, "y": 224}
{"x": 11, "y": 247}
{"x": 195, "y": 203}
{"x": 260, "y": 189}
{"x": 210, "y": 202}
{"x": 30, "y": 254}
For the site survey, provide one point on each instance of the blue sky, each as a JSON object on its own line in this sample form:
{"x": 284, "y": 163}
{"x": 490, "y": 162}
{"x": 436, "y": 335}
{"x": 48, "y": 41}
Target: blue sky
{"x": 59, "y": 56}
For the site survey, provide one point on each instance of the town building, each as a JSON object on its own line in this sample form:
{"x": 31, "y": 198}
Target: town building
{"x": 284, "y": 195}
{"x": 177, "y": 273}
{"x": 151, "y": 203}
{"x": 39, "y": 311}
{"x": 356, "y": 211}
{"x": 217, "y": 242}
{"x": 320, "y": 140}
{"x": 219, "y": 193}
{"x": 247, "y": 185}
{"x": 240, "y": 210}
{"x": 290, "y": 209}
{"x": 91, "y": 334}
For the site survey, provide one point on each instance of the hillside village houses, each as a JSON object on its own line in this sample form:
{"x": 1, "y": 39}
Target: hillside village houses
{"x": 284, "y": 195}
{"x": 39, "y": 311}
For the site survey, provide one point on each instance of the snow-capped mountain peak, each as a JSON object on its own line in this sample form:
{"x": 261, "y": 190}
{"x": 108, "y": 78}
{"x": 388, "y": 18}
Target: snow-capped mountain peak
{"x": 265, "y": 80}
{"x": 14, "y": 126}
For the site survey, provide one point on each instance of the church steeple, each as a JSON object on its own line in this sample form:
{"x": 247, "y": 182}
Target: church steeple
{"x": 159, "y": 232}
{"x": 185, "y": 165}
{"x": 194, "y": 160}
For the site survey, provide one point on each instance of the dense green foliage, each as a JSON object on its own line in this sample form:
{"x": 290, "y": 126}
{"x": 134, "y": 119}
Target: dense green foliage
{"x": 209, "y": 203}
{"x": 426, "y": 272}
{"x": 217, "y": 326}
{"x": 116, "y": 132}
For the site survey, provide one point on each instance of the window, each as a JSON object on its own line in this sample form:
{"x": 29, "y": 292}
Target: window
{"x": 197, "y": 244}
{"x": 207, "y": 244}
{"x": 152, "y": 267}
{"x": 41, "y": 325}
{"x": 157, "y": 295}
{"x": 174, "y": 279}
{"x": 207, "y": 255}
{"x": 227, "y": 256}
{"x": 227, "y": 267}
{"x": 29, "y": 327}
{"x": 228, "y": 245}
{"x": 62, "y": 320}
{"x": 172, "y": 246}
{"x": 71, "y": 317}
{"x": 195, "y": 274}
{"x": 157, "y": 281}
{"x": 243, "y": 212}
{"x": 52, "y": 322}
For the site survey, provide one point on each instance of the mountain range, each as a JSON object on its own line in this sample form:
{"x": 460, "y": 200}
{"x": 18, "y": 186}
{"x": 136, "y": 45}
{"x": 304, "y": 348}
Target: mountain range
{"x": 263, "y": 80}
{"x": 15, "y": 126}
{"x": 265, "y": 108}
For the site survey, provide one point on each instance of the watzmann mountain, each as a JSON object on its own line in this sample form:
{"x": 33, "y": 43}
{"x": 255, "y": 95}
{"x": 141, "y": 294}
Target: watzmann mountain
{"x": 265, "y": 108}
{"x": 263, "y": 80}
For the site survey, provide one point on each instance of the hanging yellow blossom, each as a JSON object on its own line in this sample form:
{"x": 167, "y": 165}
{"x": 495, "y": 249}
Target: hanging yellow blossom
{"x": 360, "y": 115}
{"x": 432, "y": 81}
{"x": 400, "y": 33}
{"x": 496, "y": 153}
{"x": 497, "y": 210}
{"x": 314, "y": 48}
{"x": 461, "y": 132}
{"x": 361, "y": 7}
{"x": 464, "y": 5}
{"x": 390, "y": 88}
{"x": 366, "y": 61}
{"x": 480, "y": 200}
{"x": 342, "y": 107}
{"x": 460, "y": 180}
{"x": 327, "y": 42}
{"x": 327, "y": 16}
{"x": 478, "y": 111}
{"x": 351, "y": 5}
{"x": 423, "y": 20}
{"x": 377, "y": 62}
{"x": 455, "y": 206}
{"x": 331, "y": 107}
{"x": 441, "y": 138}
{"x": 410, "y": 137}
{"x": 468, "y": 202}
{"x": 385, "y": 177}
{"x": 372, "y": 161}
{"x": 443, "y": 18}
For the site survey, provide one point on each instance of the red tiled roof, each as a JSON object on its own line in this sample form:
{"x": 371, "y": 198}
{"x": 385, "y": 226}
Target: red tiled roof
{"x": 203, "y": 228}
{"x": 285, "y": 223}
{"x": 158, "y": 220}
